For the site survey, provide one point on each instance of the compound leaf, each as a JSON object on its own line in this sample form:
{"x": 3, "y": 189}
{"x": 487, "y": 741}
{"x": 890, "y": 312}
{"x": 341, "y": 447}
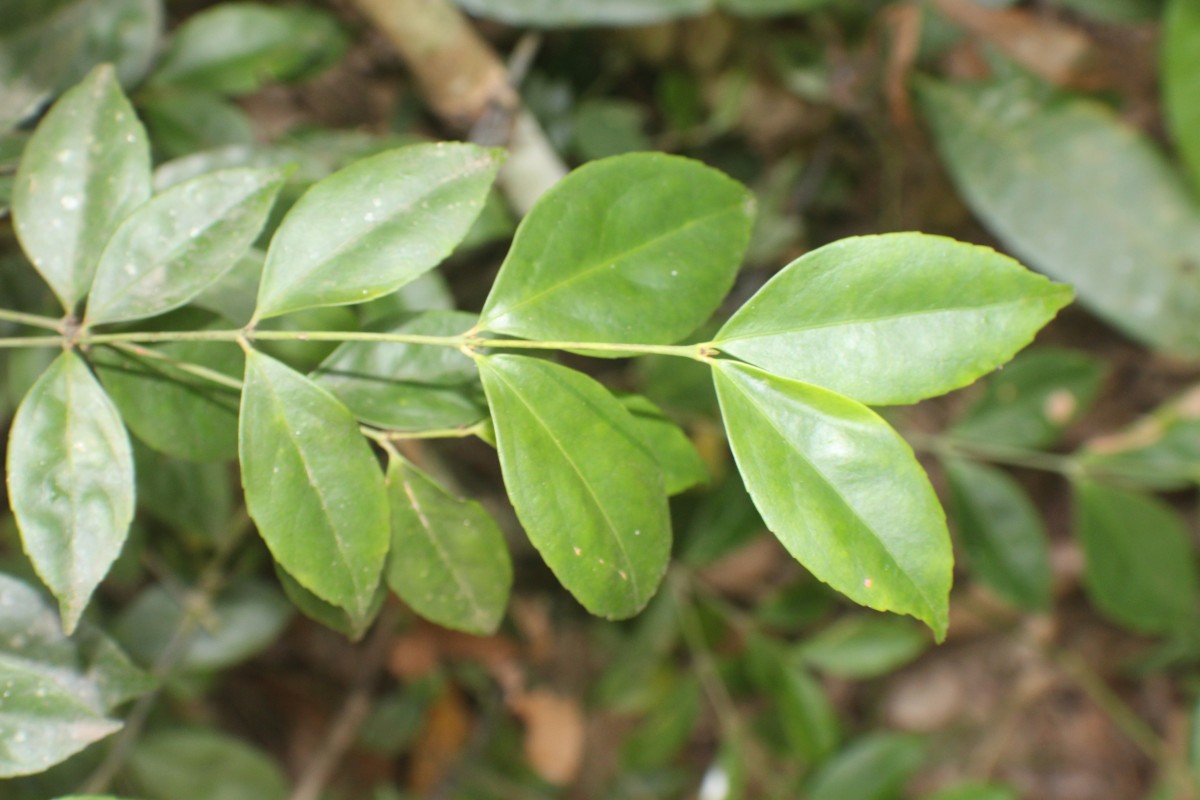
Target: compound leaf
{"x": 374, "y": 226}
{"x": 841, "y": 490}
{"x": 588, "y": 493}
{"x": 312, "y": 485}
{"x": 70, "y": 482}
{"x": 635, "y": 248}
{"x": 893, "y": 318}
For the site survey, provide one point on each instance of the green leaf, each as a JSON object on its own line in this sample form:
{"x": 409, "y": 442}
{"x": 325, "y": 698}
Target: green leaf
{"x": 1159, "y": 451}
{"x": 770, "y": 8}
{"x": 1140, "y": 565}
{"x": 84, "y": 170}
{"x": 1002, "y": 534}
{"x": 561, "y": 13}
{"x": 1181, "y": 80}
{"x": 449, "y": 559}
{"x": 1054, "y": 180}
{"x": 666, "y": 729}
{"x": 232, "y": 295}
{"x": 875, "y": 767}
{"x": 182, "y": 764}
{"x": 862, "y": 646}
{"x": 187, "y": 496}
{"x": 184, "y": 121}
{"x": 374, "y": 226}
{"x": 181, "y": 242}
{"x": 70, "y": 482}
{"x": 681, "y": 465}
{"x": 975, "y": 791}
{"x": 403, "y": 386}
{"x": 237, "y": 48}
{"x": 841, "y": 490}
{"x": 312, "y": 485}
{"x": 1033, "y": 399}
{"x": 58, "y": 692}
{"x": 636, "y": 248}
{"x": 351, "y": 623}
{"x": 893, "y": 318}
{"x": 806, "y": 718}
{"x": 590, "y": 497}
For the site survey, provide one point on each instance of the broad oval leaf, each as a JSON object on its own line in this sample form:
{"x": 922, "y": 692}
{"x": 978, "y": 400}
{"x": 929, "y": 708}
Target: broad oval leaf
{"x": 841, "y": 490}
{"x": 893, "y": 318}
{"x": 1140, "y": 565}
{"x": 70, "y": 482}
{"x": 681, "y": 464}
{"x": 1054, "y": 182}
{"x": 202, "y": 764}
{"x": 353, "y": 623}
{"x": 860, "y": 647}
{"x": 312, "y": 485}
{"x": 590, "y": 497}
{"x": 449, "y": 559}
{"x": 85, "y": 169}
{"x": 635, "y": 248}
{"x": 374, "y": 226}
{"x": 1181, "y": 79}
{"x": 1002, "y": 534}
{"x": 408, "y": 387}
{"x": 180, "y": 243}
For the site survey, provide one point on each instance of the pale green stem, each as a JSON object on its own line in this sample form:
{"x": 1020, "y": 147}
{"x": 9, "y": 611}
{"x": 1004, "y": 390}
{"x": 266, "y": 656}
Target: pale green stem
{"x": 32, "y": 341}
{"x": 949, "y": 447}
{"x": 33, "y": 320}
{"x": 183, "y": 366}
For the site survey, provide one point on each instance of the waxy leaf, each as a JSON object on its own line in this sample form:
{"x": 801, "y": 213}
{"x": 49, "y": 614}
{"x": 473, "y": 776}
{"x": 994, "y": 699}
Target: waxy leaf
{"x": 1181, "y": 79}
{"x": 374, "y": 226}
{"x": 893, "y": 318}
{"x": 351, "y": 623}
{"x": 180, "y": 243}
{"x": 841, "y": 490}
{"x": 404, "y": 386}
{"x": 84, "y": 170}
{"x": 636, "y": 248}
{"x": 1054, "y": 182}
{"x": 583, "y": 485}
{"x": 1140, "y": 569}
{"x": 70, "y": 482}
{"x": 449, "y": 560}
{"x": 1002, "y": 534}
{"x": 681, "y": 464}
{"x": 312, "y": 485}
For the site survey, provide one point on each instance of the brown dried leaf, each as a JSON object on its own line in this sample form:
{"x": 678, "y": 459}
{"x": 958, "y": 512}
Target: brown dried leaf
{"x": 554, "y": 734}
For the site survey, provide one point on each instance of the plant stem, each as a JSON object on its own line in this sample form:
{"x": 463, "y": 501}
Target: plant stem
{"x": 33, "y": 320}
{"x": 949, "y": 447}
{"x": 32, "y": 341}
{"x": 183, "y": 366}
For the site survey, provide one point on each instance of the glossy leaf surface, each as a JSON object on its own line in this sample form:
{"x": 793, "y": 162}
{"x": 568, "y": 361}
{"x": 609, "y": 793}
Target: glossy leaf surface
{"x": 374, "y": 226}
{"x": 841, "y": 490}
{"x": 449, "y": 558}
{"x": 893, "y": 318}
{"x": 1002, "y": 534}
{"x": 636, "y": 248}
{"x": 1054, "y": 180}
{"x": 181, "y": 242}
{"x": 408, "y": 387}
{"x": 681, "y": 464}
{"x": 312, "y": 485}
{"x": 1181, "y": 80}
{"x": 352, "y": 623}
{"x": 70, "y": 482}
{"x": 1140, "y": 569}
{"x": 85, "y": 169}
{"x": 590, "y": 497}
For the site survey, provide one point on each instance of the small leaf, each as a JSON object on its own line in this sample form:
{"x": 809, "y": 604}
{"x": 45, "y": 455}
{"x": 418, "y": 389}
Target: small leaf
{"x": 185, "y": 121}
{"x": 861, "y": 647}
{"x": 70, "y": 482}
{"x": 1181, "y": 79}
{"x": 374, "y": 226}
{"x": 841, "y": 490}
{"x": 590, "y": 497}
{"x": 636, "y": 248}
{"x": 556, "y": 13}
{"x": 1159, "y": 451}
{"x": 449, "y": 559}
{"x": 204, "y": 765}
{"x": 893, "y": 318}
{"x": 312, "y": 485}
{"x": 975, "y": 791}
{"x": 799, "y": 704}
{"x": 237, "y": 48}
{"x": 179, "y": 243}
{"x": 1002, "y": 534}
{"x": 682, "y": 466}
{"x": 353, "y": 624}
{"x": 407, "y": 387}
{"x": 875, "y": 767}
{"x": 85, "y": 169}
{"x": 1140, "y": 566}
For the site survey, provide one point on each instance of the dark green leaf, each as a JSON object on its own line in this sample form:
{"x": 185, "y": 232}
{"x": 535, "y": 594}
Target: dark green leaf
{"x": 724, "y": 520}
{"x": 449, "y": 559}
{"x": 1181, "y": 80}
{"x": 70, "y": 482}
{"x": 636, "y": 248}
{"x": 1033, "y": 399}
{"x": 875, "y": 767}
{"x": 237, "y": 48}
{"x": 893, "y": 318}
{"x": 590, "y": 497}
{"x": 605, "y": 127}
{"x": 861, "y": 646}
{"x": 681, "y": 465}
{"x": 86, "y": 167}
{"x": 1002, "y": 534}
{"x": 975, "y": 791}
{"x": 351, "y": 623}
{"x": 187, "y": 496}
{"x": 183, "y": 121}
{"x": 666, "y": 729}
{"x": 841, "y": 490}
{"x": 312, "y": 485}
{"x": 1159, "y": 451}
{"x": 1054, "y": 182}
{"x": 806, "y": 718}
{"x": 181, "y": 242}
{"x": 232, "y": 295}
{"x": 1140, "y": 568}
{"x": 374, "y": 226}
{"x": 203, "y": 764}
{"x": 559, "y": 13}
{"x": 408, "y": 387}
{"x": 770, "y": 8}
